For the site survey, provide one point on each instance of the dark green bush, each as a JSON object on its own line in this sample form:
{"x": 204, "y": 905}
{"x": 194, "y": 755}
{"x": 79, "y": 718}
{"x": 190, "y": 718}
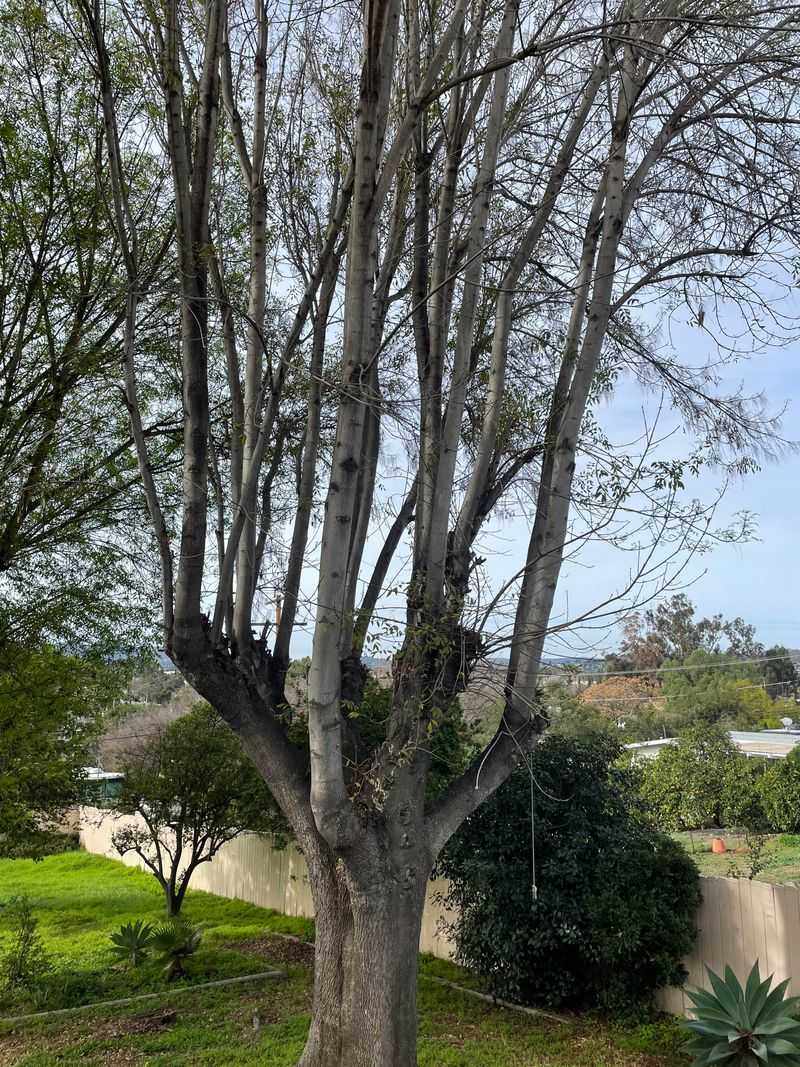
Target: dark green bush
{"x": 614, "y": 915}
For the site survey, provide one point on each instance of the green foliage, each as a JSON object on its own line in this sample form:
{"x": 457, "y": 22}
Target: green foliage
{"x": 151, "y": 684}
{"x": 706, "y": 692}
{"x": 132, "y": 941}
{"x": 613, "y": 914}
{"x": 65, "y": 490}
{"x": 570, "y": 717}
{"x": 742, "y": 793}
{"x": 737, "y": 1026}
{"x": 192, "y": 785}
{"x": 174, "y": 942}
{"x": 450, "y": 741}
{"x": 669, "y": 632}
{"x": 51, "y": 707}
{"x": 779, "y": 674}
{"x": 25, "y": 963}
{"x": 683, "y": 786}
{"x": 780, "y": 794}
{"x": 704, "y": 781}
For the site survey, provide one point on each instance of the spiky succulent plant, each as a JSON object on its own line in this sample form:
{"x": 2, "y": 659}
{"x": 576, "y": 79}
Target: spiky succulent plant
{"x": 132, "y": 940}
{"x": 744, "y": 1027}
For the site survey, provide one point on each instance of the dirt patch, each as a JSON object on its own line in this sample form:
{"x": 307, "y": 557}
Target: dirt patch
{"x": 11, "y": 1050}
{"x": 283, "y": 950}
{"x": 151, "y": 1023}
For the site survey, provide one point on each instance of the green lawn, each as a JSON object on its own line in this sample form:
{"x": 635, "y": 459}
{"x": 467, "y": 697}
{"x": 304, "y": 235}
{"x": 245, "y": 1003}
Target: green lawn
{"x": 780, "y": 857}
{"x": 79, "y": 899}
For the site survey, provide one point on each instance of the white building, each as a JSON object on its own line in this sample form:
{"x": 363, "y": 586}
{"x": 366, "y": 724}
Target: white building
{"x": 769, "y": 744}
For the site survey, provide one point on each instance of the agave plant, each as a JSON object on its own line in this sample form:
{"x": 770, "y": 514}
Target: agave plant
{"x": 174, "y": 942}
{"x": 744, "y": 1027}
{"x": 132, "y": 940}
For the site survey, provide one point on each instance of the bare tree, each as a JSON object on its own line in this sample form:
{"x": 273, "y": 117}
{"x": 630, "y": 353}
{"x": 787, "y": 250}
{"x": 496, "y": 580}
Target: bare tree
{"x": 463, "y": 222}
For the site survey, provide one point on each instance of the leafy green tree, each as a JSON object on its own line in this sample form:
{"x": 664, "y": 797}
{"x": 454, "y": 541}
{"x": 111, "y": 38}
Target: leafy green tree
{"x": 190, "y": 789}
{"x": 779, "y": 673}
{"x": 683, "y": 786}
{"x": 612, "y": 912}
{"x": 742, "y": 794}
{"x": 68, "y": 474}
{"x": 780, "y": 794}
{"x": 669, "y": 631}
{"x": 714, "y": 689}
{"x": 51, "y": 708}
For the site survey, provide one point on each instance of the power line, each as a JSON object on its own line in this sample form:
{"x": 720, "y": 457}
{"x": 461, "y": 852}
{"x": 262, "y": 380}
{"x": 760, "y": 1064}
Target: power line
{"x": 665, "y": 670}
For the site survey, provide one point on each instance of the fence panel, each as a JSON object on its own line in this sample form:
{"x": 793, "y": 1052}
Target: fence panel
{"x": 738, "y": 922}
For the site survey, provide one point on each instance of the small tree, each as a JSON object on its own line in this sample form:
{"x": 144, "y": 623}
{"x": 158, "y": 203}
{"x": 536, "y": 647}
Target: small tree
{"x": 192, "y": 789}
{"x": 683, "y": 787}
{"x": 780, "y": 794}
{"x": 742, "y": 794}
{"x": 702, "y": 781}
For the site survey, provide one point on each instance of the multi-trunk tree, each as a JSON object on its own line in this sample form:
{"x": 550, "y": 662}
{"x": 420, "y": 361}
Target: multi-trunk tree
{"x": 414, "y": 246}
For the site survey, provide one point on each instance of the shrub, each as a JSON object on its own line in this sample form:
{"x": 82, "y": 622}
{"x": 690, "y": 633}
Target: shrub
{"x": 703, "y": 780}
{"x": 175, "y": 941}
{"x": 25, "y": 964}
{"x": 740, "y": 1027}
{"x": 780, "y": 794}
{"x": 613, "y": 914}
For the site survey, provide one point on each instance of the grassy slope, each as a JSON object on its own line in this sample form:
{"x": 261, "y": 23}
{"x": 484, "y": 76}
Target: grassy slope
{"x": 781, "y": 856}
{"x": 79, "y": 899}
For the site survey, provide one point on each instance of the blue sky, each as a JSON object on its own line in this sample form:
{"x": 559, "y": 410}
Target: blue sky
{"x": 758, "y": 580}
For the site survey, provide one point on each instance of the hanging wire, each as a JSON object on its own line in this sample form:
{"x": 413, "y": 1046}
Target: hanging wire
{"x": 534, "y": 785}
{"x": 534, "y": 886}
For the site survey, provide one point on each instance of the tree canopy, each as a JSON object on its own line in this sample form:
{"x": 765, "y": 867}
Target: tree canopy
{"x": 51, "y": 709}
{"x": 190, "y": 789}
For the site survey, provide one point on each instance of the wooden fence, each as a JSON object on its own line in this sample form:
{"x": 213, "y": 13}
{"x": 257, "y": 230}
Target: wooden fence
{"x": 738, "y": 922}
{"x": 248, "y": 868}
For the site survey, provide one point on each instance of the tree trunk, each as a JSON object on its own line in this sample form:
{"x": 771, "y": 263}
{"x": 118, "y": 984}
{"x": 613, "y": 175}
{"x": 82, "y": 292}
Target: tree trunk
{"x": 365, "y": 968}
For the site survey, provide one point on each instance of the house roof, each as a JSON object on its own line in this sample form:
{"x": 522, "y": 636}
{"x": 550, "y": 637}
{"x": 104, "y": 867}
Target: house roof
{"x": 97, "y": 774}
{"x": 772, "y": 744}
